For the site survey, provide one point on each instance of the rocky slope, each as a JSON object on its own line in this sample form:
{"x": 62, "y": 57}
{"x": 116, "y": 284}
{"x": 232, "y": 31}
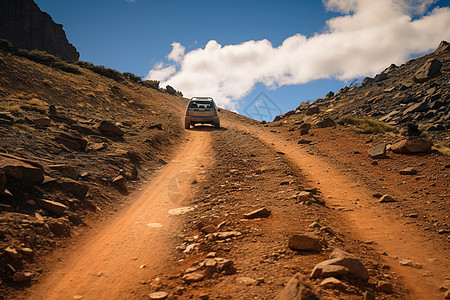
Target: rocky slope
{"x": 71, "y": 145}
{"x": 27, "y": 27}
{"x": 416, "y": 92}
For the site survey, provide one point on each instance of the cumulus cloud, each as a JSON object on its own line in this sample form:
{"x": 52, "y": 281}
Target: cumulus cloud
{"x": 368, "y": 37}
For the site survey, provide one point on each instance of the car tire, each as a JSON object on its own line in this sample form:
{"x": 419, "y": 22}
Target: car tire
{"x": 217, "y": 125}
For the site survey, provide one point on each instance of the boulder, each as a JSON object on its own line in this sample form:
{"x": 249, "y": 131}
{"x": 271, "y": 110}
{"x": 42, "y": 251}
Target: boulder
{"x": 412, "y": 145}
{"x": 297, "y": 289}
{"x": 258, "y": 213}
{"x": 430, "y": 69}
{"x": 25, "y": 171}
{"x": 66, "y": 170}
{"x": 312, "y": 110}
{"x": 342, "y": 258}
{"x": 378, "y": 151}
{"x": 385, "y": 286}
{"x": 120, "y": 183}
{"x": 386, "y": 198}
{"x": 59, "y": 227}
{"x": 303, "y": 242}
{"x": 52, "y": 206}
{"x": 326, "y": 122}
{"x": 77, "y": 189}
{"x": 109, "y": 129}
{"x": 72, "y": 142}
{"x": 366, "y": 81}
{"x": 225, "y": 266}
{"x": 22, "y": 277}
{"x": 380, "y": 77}
{"x": 193, "y": 277}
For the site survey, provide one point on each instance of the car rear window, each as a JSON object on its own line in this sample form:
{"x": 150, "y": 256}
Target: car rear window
{"x": 201, "y": 104}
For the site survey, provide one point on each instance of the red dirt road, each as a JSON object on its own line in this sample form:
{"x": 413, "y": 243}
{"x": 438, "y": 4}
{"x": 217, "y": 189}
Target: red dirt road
{"x": 110, "y": 261}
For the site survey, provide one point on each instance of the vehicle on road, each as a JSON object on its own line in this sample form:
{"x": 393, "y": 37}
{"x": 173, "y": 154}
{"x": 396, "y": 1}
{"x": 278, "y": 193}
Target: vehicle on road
{"x": 201, "y": 110}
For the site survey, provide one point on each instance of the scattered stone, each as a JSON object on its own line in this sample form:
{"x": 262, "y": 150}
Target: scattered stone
{"x": 222, "y": 235}
{"x": 326, "y": 122}
{"x": 109, "y": 129}
{"x": 21, "y": 277}
{"x": 374, "y": 163}
{"x": 193, "y": 277}
{"x": 408, "y": 171}
{"x": 386, "y": 199}
{"x": 72, "y": 142}
{"x": 6, "y": 118}
{"x": 225, "y": 266}
{"x": 180, "y": 210}
{"x": 334, "y": 271}
{"x": 312, "y": 110}
{"x": 412, "y": 145}
{"x": 258, "y": 213}
{"x": 77, "y": 189}
{"x": 120, "y": 183}
{"x": 52, "y": 206}
{"x": 333, "y": 283}
{"x": 378, "y": 151}
{"x": 208, "y": 229}
{"x": 158, "y": 126}
{"x": 12, "y": 252}
{"x": 159, "y": 295}
{"x": 42, "y": 121}
{"x": 59, "y": 227}
{"x": 342, "y": 258}
{"x": 66, "y": 170}
{"x": 368, "y": 296}
{"x": 2, "y": 180}
{"x": 304, "y": 142}
{"x": 447, "y": 295}
{"x": 385, "y": 286}
{"x": 297, "y": 289}
{"x": 246, "y": 281}
{"x": 410, "y": 263}
{"x": 304, "y": 243}
{"x": 430, "y": 69}
{"x": 22, "y": 170}
{"x": 211, "y": 255}
{"x": 62, "y": 119}
{"x": 203, "y": 297}
{"x": 304, "y": 196}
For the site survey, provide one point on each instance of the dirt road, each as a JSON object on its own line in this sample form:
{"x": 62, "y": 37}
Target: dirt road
{"x": 110, "y": 261}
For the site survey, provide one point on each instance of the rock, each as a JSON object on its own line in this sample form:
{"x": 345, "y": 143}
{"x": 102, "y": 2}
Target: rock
{"x": 408, "y": 171}
{"x": 246, "y": 281}
{"x": 62, "y": 119}
{"x": 304, "y": 141}
{"x": 42, "y": 121}
{"x": 222, "y": 235}
{"x": 59, "y": 227}
{"x": 330, "y": 94}
{"x": 297, "y": 289}
{"x": 52, "y": 206}
{"x": 159, "y": 295}
{"x": 432, "y": 68}
{"x": 109, "y": 129}
{"x": 21, "y": 277}
{"x": 120, "y": 183}
{"x": 208, "y": 229}
{"x": 2, "y": 181}
{"x": 386, "y": 198}
{"x": 334, "y": 271}
{"x": 333, "y": 283}
{"x": 342, "y": 258}
{"x": 380, "y": 77}
{"x": 72, "y": 142}
{"x": 203, "y": 297}
{"x": 304, "y": 196}
{"x": 158, "y": 126}
{"x": 447, "y": 295}
{"x": 378, "y": 151}
{"x": 22, "y": 170}
{"x": 225, "y": 266}
{"x": 193, "y": 277}
{"x": 77, "y": 189}
{"x": 410, "y": 263}
{"x": 258, "y": 213}
{"x": 412, "y": 145}
{"x": 326, "y": 122}
{"x": 312, "y": 110}
{"x": 304, "y": 243}
{"x": 12, "y": 252}
{"x": 6, "y": 118}
{"x": 66, "y": 170}
{"x": 368, "y": 296}
{"x": 385, "y": 286}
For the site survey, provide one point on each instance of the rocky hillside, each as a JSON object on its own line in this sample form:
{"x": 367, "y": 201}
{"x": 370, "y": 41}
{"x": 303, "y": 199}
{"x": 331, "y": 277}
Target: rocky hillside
{"x": 71, "y": 145}
{"x": 417, "y": 92}
{"x": 27, "y": 27}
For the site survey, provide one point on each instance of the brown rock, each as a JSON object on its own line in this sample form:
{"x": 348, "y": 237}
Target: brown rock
{"x": 222, "y": 235}
{"x": 334, "y": 271}
{"x": 408, "y": 171}
{"x": 297, "y": 289}
{"x": 304, "y": 141}
{"x": 21, "y": 277}
{"x": 108, "y": 128}
{"x": 159, "y": 295}
{"x": 25, "y": 171}
{"x": 225, "y": 266}
{"x": 412, "y": 145}
{"x": 304, "y": 243}
{"x": 386, "y": 198}
{"x": 312, "y": 110}
{"x": 430, "y": 69}
{"x": 368, "y": 296}
{"x": 208, "y": 229}
{"x": 326, "y": 122}
{"x": 385, "y": 286}
{"x": 258, "y": 213}
{"x": 72, "y": 142}
{"x": 66, "y": 170}
{"x": 52, "y": 206}
{"x": 2, "y": 180}
{"x": 333, "y": 283}
{"x": 42, "y": 121}
{"x": 59, "y": 227}
{"x": 120, "y": 183}
{"x": 378, "y": 151}
{"x": 77, "y": 189}
{"x": 193, "y": 277}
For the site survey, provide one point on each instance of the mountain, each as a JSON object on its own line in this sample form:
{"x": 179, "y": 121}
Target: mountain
{"x": 27, "y": 27}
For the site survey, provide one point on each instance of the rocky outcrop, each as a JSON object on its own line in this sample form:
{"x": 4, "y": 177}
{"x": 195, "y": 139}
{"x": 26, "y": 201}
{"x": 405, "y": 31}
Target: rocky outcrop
{"x": 27, "y": 27}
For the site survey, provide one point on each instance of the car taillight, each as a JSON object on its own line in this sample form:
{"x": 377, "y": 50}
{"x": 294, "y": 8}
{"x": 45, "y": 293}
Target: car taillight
{"x": 187, "y": 112}
{"x": 215, "y": 113}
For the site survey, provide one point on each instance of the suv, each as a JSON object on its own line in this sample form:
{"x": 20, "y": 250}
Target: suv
{"x": 201, "y": 110}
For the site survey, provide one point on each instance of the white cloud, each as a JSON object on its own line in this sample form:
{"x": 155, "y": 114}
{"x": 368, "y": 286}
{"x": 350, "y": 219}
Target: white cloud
{"x": 372, "y": 35}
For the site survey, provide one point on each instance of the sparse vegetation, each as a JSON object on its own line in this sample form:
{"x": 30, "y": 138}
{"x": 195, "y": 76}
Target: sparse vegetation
{"x": 154, "y": 84}
{"x": 133, "y": 78}
{"x": 102, "y": 70}
{"x": 49, "y": 60}
{"x": 366, "y": 124}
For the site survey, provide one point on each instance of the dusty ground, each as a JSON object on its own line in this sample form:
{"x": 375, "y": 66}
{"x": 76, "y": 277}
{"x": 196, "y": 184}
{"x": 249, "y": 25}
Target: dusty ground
{"x": 223, "y": 174}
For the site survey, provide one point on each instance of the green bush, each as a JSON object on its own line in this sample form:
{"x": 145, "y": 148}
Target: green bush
{"x": 366, "y": 124}
{"x": 131, "y": 77}
{"x": 45, "y": 58}
{"x": 102, "y": 70}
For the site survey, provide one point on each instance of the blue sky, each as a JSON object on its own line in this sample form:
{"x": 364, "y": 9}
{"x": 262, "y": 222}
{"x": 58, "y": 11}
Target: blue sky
{"x": 135, "y": 36}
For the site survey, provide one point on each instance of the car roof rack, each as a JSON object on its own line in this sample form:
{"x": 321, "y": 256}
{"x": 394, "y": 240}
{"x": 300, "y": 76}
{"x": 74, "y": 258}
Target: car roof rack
{"x": 202, "y": 98}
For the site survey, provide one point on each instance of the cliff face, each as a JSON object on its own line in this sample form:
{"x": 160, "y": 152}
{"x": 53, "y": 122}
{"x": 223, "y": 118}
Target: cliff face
{"x": 27, "y": 27}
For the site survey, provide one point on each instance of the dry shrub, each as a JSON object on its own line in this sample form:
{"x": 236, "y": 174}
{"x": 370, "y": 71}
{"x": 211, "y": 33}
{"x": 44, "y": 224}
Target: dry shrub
{"x": 366, "y": 124}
